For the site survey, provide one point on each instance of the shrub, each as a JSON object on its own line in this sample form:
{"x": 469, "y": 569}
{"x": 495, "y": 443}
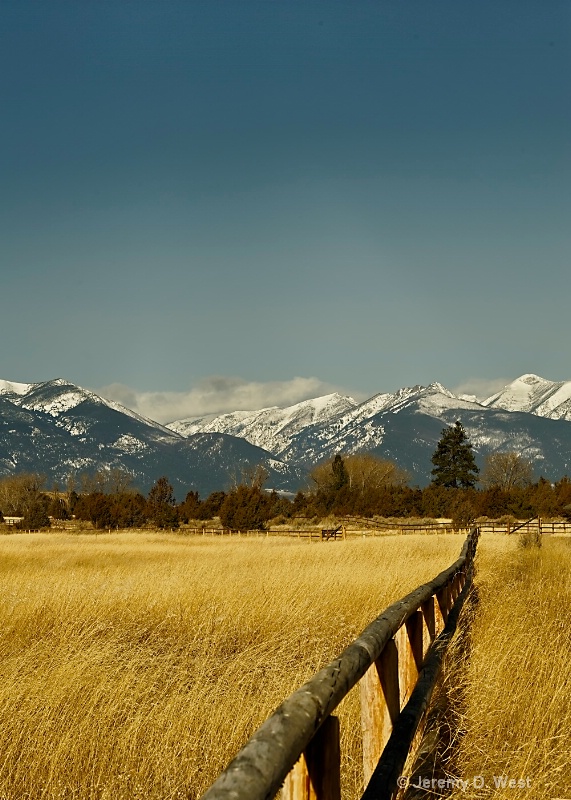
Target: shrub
{"x": 530, "y": 539}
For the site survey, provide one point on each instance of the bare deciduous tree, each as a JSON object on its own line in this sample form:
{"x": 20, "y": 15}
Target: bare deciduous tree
{"x": 364, "y": 472}
{"x": 506, "y": 470}
{"x": 18, "y": 493}
{"x": 367, "y": 472}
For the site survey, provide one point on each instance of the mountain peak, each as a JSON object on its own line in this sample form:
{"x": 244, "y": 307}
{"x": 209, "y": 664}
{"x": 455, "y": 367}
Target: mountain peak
{"x": 438, "y": 387}
{"x": 60, "y": 382}
{"x": 536, "y": 395}
{"x": 529, "y": 378}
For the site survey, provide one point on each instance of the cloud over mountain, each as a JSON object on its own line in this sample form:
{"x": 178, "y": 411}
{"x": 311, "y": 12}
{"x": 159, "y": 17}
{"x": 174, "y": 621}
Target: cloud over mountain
{"x": 216, "y": 395}
{"x": 481, "y": 388}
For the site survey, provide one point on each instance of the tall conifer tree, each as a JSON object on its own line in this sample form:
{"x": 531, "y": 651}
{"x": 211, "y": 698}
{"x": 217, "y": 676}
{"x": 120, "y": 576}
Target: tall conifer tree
{"x": 340, "y": 477}
{"x": 454, "y": 464}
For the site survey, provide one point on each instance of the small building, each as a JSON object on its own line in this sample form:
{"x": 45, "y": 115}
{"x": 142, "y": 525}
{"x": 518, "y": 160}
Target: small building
{"x": 12, "y": 520}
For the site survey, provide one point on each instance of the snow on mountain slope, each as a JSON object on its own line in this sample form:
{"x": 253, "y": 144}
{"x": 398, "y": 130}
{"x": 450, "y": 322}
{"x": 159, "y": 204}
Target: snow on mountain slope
{"x": 365, "y": 426}
{"x": 54, "y": 397}
{"x": 435, "y": 400}
{"x": 58, "y": 398}
{"x": 311, "y": 430}
{"x": 535, "y": 395}
{"x": 11, "y": 387}
{"x": 217, "y": 423}
{"x": 270, "y": 428}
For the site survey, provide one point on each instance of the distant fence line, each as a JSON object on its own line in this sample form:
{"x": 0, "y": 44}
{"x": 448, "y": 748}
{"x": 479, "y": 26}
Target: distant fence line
{"x": 396, "y": 661}
{"x": 373, "y": 528}
{"x": 318, "y": 535}
{"x": 535, "y": 525}
{"x": 345, "y": 531}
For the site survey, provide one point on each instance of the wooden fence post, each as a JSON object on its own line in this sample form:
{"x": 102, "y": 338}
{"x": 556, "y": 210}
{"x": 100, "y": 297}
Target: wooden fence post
{"x": 429, "y": 626}
{"x": 439, "y": 613}
{"x": 317, "y": 773}
{"x": 443, "y": 604}
{"x": 414, "y": 625}
{"x": 380, "y": 705}
{"x": 409, "y": 645}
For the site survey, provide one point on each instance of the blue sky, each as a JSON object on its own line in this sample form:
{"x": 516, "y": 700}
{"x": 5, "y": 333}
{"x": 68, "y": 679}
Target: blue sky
{"x": 210, "y": 203}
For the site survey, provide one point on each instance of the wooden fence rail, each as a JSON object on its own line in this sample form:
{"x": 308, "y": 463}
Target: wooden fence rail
{"x": 396, "y": 659}
{"x": 535, "y": 525}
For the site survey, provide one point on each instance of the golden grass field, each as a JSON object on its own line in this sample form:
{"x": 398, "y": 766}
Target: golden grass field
{"x": 513, "y": 695}
{"x": 136, "y": 665}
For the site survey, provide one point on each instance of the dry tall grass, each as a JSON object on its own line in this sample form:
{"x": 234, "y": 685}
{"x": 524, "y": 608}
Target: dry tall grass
{"x": 137, "y": 665}
{"x": 512, "y": 693}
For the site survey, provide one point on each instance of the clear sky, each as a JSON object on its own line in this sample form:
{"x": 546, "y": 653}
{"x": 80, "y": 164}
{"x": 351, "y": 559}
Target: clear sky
{"x": 208, "y": 203}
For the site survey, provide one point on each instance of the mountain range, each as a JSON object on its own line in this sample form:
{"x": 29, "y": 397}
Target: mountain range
{"x": 59, "y": 429}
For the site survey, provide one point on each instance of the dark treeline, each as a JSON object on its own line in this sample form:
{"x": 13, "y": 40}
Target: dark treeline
{"x": 107, "y": 500}
{"x": 462, "y": 505}
{"x": 250, "y": 507}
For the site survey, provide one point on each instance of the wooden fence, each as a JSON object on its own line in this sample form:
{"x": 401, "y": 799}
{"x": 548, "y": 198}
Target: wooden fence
{"x": 396, "y": 661}
{"x": 533, "y": 525}
{"x": 298, "y": 533}
{"x": 318, "y": 535}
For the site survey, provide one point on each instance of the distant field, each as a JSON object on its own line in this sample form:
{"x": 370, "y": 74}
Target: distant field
{"x": 135, "y": 666}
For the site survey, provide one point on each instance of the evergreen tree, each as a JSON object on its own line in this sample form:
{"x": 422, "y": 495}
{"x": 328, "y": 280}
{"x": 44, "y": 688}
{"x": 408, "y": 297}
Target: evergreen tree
{"x": 35, "y": 516}
{"x": 58, "y": 509}
{"x": 453, "y": 460}
{"x": 95, "y": 507}
{"x": 210, "y": 508}
{"x": 246, "y": 508}
{"x": 191, "y": 507}
{"x": 128, "y": 509}
{"x": 161, "y": 504}
{"x": 340, "y": 477}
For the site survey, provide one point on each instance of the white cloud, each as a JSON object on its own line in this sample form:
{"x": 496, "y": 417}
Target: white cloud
{"x": 482, "y": 388}
{"x": 216, "y": 395}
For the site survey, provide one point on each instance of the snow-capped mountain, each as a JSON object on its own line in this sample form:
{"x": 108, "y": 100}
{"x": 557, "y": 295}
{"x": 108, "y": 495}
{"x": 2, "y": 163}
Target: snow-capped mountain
{"x": 68, "y": 404}
{"x": 270, "y": 428}
{"x": 369, "y": 426}
{"x": 535, "y": 395}
{"x": 310, "y": 430}
{"x": 59, "y": 429}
